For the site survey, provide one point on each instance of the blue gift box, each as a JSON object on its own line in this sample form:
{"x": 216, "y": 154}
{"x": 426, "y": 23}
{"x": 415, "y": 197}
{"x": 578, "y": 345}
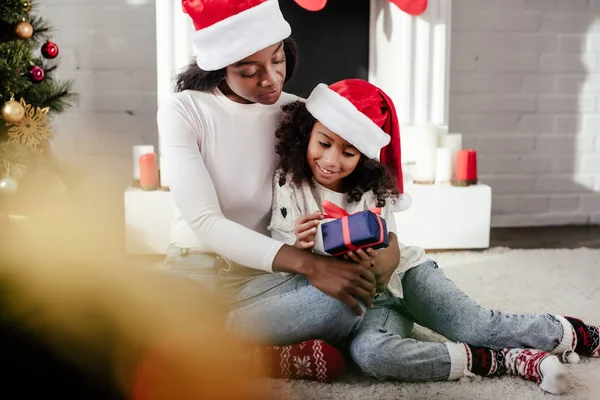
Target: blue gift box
{"x": 363, "y": 229}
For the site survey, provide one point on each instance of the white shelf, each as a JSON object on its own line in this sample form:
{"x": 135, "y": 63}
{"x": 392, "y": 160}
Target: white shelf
{"x": 446, "y": 217}
{"x": 441, "y": 217}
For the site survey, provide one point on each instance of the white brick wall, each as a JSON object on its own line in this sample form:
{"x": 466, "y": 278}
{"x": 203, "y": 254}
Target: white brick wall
{"x": 525, "y": 92}
{"x": 108, "y": 48}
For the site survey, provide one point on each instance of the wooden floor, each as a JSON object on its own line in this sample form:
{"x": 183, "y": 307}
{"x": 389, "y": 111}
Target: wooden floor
{"x": 565, "y": 237}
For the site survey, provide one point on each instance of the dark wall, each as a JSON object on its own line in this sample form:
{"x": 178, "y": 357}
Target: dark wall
{"x": 333, "y": 43}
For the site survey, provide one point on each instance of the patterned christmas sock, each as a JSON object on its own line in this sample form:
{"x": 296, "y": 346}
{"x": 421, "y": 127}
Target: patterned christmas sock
{"x": 588, "y": 337}
{"x": 313, "y": 360}
{"x": 529, "y": 364}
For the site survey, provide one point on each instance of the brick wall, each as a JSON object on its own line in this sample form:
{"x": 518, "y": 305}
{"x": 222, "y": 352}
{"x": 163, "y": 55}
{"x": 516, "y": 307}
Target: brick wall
{"x": 524, "y": 91}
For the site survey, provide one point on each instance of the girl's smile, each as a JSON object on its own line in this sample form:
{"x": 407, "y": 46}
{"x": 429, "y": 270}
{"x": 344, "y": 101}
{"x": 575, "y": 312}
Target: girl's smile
{"x": 330, "y": 157}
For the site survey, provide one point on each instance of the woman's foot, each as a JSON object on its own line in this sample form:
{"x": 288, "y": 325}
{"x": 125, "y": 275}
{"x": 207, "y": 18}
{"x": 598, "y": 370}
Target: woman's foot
{"x": 312, "y": 360}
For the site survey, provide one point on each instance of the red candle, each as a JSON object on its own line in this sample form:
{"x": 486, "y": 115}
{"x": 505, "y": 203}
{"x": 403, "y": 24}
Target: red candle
{"x": 466, "y": 168}
{"x": 148, "y": 172}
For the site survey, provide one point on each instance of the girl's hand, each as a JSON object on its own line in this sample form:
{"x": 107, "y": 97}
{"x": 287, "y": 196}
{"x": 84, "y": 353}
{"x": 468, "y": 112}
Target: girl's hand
{"x": 365, "y": 257}
{"x": 305, "y": 229}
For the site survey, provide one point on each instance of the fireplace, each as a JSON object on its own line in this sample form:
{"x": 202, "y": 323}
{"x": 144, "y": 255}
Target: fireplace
{"x": 333, "y": 43}
{"x": 406, "y": 56}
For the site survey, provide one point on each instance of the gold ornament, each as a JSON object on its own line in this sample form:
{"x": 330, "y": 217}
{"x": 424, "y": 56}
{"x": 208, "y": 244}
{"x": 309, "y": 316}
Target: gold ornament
{"x": 12, "y": 112}
{"x": 24, "y": 30}
{"x": 26, "y": 6}
{"x": 33, "y": 129}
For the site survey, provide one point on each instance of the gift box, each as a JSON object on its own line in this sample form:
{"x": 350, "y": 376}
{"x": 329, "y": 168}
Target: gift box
{"x": 351, "y": 232}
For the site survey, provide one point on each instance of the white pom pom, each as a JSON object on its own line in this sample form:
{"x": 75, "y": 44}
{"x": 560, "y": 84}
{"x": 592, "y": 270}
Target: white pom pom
{"x": 464, "y": 379}
{"x": 403, "y": 202}
{"x": 572, "y": 358}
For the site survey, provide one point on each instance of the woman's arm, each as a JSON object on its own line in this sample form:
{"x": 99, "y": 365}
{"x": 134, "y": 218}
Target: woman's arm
{"x": 346, "y": 281}
{"x": 195, "y": 196}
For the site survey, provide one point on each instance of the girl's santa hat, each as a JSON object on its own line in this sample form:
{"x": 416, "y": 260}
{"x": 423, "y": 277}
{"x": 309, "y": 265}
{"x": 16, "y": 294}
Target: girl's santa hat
{"x": 365, "y": 116}
{"x": 228, "y": 31}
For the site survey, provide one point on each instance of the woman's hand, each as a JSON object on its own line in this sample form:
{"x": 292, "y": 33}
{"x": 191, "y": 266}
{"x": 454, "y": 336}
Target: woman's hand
{"x": 344, "y": 281}
{"x": 305, "y": 229}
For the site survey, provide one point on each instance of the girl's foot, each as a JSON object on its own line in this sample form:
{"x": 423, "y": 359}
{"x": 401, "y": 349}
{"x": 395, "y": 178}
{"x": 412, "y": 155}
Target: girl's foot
{"x": 529, "y": 364}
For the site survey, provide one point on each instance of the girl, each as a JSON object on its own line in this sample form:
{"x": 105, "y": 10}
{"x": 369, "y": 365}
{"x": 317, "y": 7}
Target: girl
{"x": 328, "y": 147}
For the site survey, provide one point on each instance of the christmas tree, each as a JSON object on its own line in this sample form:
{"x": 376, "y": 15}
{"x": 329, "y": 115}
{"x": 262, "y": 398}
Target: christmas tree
{"x": 29, "y": 96}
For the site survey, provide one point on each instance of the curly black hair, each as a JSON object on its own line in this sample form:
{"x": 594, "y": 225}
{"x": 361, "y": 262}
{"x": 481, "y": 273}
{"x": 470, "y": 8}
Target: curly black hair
{"x": 293, "y": 135}
{"x": 195, "y": 78}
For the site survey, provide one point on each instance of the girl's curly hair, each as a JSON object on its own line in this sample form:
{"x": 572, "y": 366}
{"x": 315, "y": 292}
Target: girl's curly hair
{"x": 293, "y": 135}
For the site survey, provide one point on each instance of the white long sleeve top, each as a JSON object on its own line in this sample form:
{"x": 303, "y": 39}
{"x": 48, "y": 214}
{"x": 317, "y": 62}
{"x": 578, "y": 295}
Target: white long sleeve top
{"x": 221, "y": 159}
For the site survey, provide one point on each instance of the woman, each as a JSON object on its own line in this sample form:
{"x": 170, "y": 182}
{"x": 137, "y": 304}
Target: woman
{"x": 218, "y": 137}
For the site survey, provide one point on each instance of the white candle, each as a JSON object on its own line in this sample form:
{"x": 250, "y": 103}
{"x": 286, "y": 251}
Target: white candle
{"x": 441, "y": 131}
{"x": 453, "y": 142}
{"x": 426, "y": 145}
{"x": 443, "y": 165}
{"x": 139, "y": 151}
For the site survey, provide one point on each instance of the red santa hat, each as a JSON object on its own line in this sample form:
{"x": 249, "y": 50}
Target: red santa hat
{"x": 228, "y": 31}
{"x": 365, "y": 116}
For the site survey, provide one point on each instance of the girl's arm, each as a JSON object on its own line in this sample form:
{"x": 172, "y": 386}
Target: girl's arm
{"x": 289, "y": 223}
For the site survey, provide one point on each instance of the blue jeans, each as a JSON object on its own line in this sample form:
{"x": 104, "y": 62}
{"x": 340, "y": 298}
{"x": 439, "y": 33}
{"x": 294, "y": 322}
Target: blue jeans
{"x": 279, "y": 310}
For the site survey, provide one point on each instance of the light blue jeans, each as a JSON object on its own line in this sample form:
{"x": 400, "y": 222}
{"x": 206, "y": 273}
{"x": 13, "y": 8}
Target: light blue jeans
{"x": 279, "y": 310}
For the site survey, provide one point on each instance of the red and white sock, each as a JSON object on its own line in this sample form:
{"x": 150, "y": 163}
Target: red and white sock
{"x": 312, "y": 360}
{"x": 534, "y": 365}
{"x": 588, "y": 337}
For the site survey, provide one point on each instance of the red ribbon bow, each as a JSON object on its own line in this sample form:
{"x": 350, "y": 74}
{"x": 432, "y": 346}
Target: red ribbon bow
{"x": 331, "y": 210}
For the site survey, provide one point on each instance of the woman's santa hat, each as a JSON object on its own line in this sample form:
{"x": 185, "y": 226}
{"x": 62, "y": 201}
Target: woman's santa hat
{"x": 365, "y": 116}
{"x": 228, "y": 31}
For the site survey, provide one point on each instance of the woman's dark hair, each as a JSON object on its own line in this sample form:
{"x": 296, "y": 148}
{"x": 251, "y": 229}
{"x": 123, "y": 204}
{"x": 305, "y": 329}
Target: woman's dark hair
{"x": 195, "y": 78}
{"x": 293, "y": 136}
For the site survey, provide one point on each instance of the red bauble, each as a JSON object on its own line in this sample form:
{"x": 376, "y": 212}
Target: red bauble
{"x": 50, "y": 50}
{"x": 36, "y": 74}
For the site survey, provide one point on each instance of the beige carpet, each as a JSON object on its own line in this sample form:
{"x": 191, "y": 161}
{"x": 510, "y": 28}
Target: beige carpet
{"x": 556, "y": 281}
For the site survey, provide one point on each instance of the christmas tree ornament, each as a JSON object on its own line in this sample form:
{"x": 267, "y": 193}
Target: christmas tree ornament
{"x": 50, "y": 50}
{"x": 33, "y": 129}
{"x": 36, "y": 74}
{"x": 24, "y": 30}
{"x": 12, "y": 111}
{"x": 8, "y": 185}
{"x": 27, "y": 6}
